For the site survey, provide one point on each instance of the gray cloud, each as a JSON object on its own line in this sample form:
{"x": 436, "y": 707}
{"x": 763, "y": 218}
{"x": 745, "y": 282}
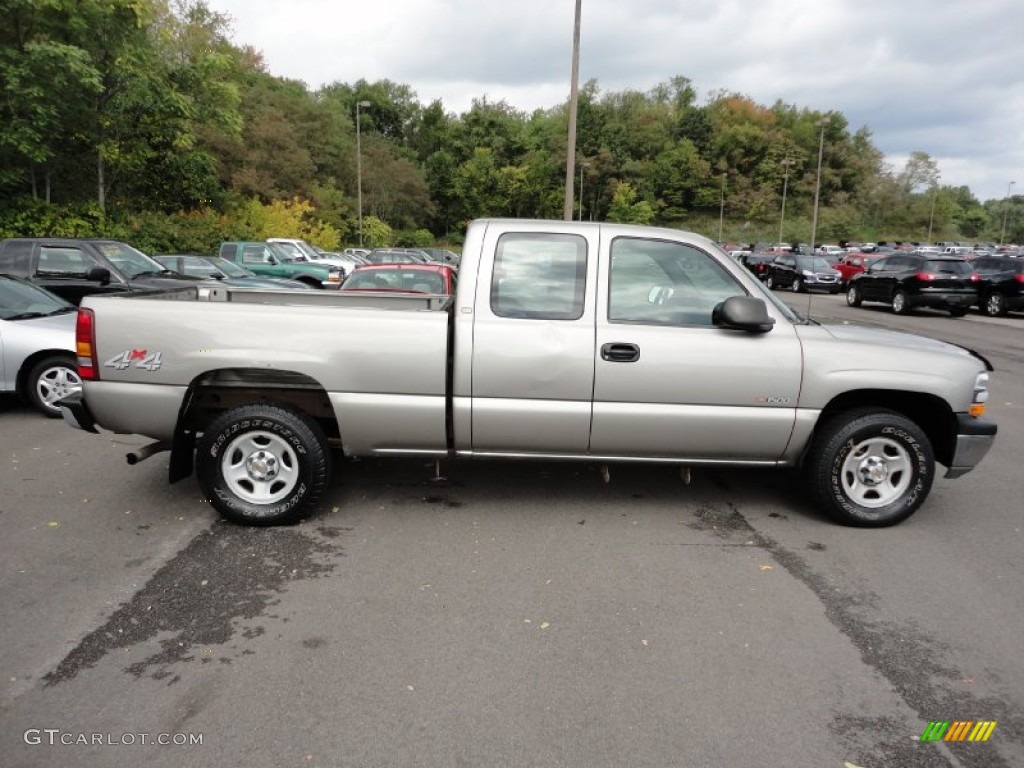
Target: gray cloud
{"x": 938, "y": 76}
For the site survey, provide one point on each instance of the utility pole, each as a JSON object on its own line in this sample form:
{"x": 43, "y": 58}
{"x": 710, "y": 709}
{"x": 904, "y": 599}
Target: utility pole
{"x": 570, "y": 147}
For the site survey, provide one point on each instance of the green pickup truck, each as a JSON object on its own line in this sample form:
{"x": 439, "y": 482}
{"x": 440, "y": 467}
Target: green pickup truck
{"x": 264, "y": 259}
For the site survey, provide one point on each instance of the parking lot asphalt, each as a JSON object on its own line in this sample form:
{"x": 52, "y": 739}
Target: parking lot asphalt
{"x": 509, "y": 614}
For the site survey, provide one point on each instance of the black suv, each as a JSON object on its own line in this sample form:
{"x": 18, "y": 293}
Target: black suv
{"x": 1000, "y": 284}
{"x": 73, "y": 268}
{"x": 800, "y": 273}
{"x": 914, "y": 280}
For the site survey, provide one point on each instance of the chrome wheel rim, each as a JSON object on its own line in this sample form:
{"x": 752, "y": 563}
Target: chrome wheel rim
{"x": 56, "y": 383}
{"x": 898, "y": 302}
{"x": 260, "y": 467}
{"x": 995, "y": 304}
{"x": 877, "y": 472}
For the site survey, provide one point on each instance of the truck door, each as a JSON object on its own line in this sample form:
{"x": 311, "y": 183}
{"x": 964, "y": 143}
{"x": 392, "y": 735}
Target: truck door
{"x": 533, "y": 336}
{"x": 668, "y": 384}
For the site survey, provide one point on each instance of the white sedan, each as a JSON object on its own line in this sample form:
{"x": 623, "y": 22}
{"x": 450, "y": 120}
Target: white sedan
{"x": 37, "y": 342}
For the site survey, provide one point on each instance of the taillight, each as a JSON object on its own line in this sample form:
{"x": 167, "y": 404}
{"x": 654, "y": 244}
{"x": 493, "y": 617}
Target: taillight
{"x": 1019, "y": 278}
{"x": 975, "y": 277}
{"x": 85, "y": 345}
{"x": 925, "y": 276}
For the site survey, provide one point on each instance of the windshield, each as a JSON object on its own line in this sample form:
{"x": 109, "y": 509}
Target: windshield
{"x": 287, "y": 252}
{"x": 229, "y": 268}
{"x": 20, "y": 300}
{"x": 129, "y": 261}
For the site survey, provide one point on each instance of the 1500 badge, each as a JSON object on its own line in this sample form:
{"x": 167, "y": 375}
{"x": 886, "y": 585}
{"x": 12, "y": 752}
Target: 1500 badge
{"x": 138, "y": 358}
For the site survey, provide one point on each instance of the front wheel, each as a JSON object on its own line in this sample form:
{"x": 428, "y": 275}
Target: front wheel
{"x": 262, "y": 464}
{"x": 51, "y": 380}
{"x": 870, "y": 468}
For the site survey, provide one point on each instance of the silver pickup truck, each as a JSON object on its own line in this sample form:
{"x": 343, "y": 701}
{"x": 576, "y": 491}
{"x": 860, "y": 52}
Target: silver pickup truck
{"x": 565, "y": 340}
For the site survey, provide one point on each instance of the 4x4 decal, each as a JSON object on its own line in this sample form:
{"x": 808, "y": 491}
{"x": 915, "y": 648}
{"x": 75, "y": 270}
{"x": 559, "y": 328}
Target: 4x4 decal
{"x": 138, "y": 358}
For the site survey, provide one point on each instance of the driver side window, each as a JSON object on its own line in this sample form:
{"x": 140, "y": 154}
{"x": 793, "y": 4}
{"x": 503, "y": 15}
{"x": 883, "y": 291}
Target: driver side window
{"x": 664, "y": 283}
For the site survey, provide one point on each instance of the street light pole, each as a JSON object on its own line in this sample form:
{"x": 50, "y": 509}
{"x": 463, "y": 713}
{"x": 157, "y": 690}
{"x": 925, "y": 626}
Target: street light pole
{"x": 817, "y": 182}
{"x": 721, "y": 212}
{"x": 1006, "y": 210}
{"x": 359, "y": 169}
{"x": 582, "y": 166}
{"x": 785, "y": 183}
{"x": 931, "y": 218}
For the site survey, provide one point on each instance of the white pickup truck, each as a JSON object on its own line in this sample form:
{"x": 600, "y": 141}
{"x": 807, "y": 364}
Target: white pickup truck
{"x": 565, "y": 340}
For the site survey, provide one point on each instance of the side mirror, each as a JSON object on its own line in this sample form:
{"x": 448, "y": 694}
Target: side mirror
{"x": 99, "y": 275}
{"x": 743, "y": 313}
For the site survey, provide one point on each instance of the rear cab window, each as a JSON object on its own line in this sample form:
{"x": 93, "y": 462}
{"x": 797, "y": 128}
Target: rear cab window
{"x": 540, "y": 276}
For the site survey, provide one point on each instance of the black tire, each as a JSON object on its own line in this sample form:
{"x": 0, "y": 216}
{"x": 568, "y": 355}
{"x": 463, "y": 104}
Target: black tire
{"x": 50, "y": 380}
{"x": 287, "y": 448}
{"x": 797, "y": 285}
{"x": 994, "y": 305}
{"x": 900, "y": 304}
{"x": 769, "y": 283}
{"x": 870, "y": 468}
{"x": 853, "y": 297}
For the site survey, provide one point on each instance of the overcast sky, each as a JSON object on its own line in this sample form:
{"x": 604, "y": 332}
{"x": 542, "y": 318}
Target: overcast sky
{"x": 939, "y": 76}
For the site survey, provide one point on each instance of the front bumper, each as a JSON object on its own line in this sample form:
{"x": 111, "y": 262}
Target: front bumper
{"x": 77, "y": 414}
{"x": 974, "y": 438}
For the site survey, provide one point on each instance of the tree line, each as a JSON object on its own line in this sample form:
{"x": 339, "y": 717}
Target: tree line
{"x": 140, "y": 119}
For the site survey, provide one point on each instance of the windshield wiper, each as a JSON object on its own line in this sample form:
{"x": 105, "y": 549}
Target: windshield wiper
{"x": 27, "y": 316}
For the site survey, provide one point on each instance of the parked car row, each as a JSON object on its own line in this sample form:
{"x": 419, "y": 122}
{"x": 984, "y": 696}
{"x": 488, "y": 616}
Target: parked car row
{"x": 903, "y": 279}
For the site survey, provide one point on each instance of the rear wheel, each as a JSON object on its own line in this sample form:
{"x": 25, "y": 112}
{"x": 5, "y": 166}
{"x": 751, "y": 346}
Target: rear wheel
{"x": 870, "y": 468}
{"x": 262, "y": 464}
{"x": 50, "y": 380}
{"x": 995, "y": 304}
{"x": 899, "y": 303}
{"x": 797, "y": 285}
{"x": 769, "y": 282}
{"x": 853, "y": 297}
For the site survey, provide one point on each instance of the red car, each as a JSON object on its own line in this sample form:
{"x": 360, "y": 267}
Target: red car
{"x": 402, "y": 278}
{"x": 853, "y": 264}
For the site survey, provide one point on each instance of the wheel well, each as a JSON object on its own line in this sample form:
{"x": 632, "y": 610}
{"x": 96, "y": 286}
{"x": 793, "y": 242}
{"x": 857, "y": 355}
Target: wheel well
{"x": 217, "y": 391}
{"x": 29, "y": 363}
{"x": 930, "y": 412}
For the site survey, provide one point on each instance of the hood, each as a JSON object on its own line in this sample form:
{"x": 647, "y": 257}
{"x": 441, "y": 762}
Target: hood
{"x": 55, "y": 324}
{"x": 165, "y": 280}
{"x": 897, "y": 340}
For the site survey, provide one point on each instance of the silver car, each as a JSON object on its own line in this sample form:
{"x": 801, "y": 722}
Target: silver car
{"x": 37, "y": 343}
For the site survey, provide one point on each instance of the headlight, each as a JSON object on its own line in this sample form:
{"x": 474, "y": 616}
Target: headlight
{"x": 980, "y": 397}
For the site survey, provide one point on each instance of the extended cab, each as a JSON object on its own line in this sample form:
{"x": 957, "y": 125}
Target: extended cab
{"x": 265, "y": 259}
{"x": 567, "y": 340}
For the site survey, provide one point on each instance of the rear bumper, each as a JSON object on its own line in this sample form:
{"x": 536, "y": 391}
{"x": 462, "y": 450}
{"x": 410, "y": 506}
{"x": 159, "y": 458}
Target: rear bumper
{"x": 974, "y": 438}
{"x": 76, "y": 413}
{"x": 943, "y": 300}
